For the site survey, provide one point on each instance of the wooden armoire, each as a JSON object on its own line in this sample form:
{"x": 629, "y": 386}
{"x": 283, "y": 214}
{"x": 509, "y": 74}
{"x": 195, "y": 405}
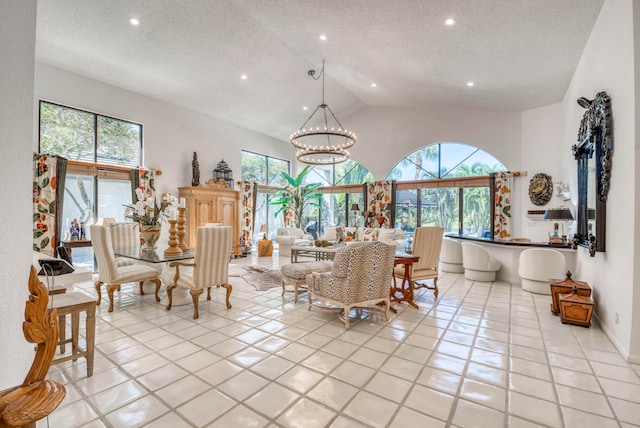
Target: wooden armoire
{"x": 212, "y": 205}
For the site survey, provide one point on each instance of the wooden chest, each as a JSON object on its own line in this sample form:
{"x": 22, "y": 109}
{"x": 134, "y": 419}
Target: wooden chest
{"x": 576, "y": 309}
{"x": 560, "y": 287}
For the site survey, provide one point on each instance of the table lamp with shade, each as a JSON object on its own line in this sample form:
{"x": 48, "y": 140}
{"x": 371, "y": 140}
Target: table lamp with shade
{"x": 355, "y": 208}
{"x": 560, "y": 215}
{"x": 264, "y": 229}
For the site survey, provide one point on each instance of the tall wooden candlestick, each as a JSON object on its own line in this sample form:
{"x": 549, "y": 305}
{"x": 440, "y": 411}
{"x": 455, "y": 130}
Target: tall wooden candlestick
{"x": 173, "y": 240}
{"x": 182, "y": 229}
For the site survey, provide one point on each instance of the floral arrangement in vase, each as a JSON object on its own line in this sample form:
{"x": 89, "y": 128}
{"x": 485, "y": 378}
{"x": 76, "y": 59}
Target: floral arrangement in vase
{"x": 150, "y": 214}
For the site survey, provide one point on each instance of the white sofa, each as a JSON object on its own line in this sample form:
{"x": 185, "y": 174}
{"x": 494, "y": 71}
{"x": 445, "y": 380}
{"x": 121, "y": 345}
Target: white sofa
{"x": 286, "y": 237}
{"x": 395, "y": 237}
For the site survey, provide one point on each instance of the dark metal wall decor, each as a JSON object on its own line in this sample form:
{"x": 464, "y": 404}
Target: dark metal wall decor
{"x": 223, "y": 174}
{"x": 540, "y": 189}
{"x": 595, "y": 136}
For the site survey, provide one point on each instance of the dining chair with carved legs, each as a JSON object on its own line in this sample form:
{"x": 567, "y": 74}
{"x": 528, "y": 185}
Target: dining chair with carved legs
{"x": 210, "y": 267}
{"x": 112, "y": 275}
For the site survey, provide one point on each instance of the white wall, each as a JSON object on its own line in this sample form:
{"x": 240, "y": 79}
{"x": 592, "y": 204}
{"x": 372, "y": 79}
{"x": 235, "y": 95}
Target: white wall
{"x": 543, "y": 151}
{"x": 17, "y": 53}
{"x": 171, "y": 134}
{"x": 607, "y": 64}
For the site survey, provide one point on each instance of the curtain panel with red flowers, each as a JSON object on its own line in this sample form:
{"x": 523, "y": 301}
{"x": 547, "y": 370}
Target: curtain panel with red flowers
{"x": 380, "y": 197}
{"x": 49, "y": 174}
{"x": 248, "y": 200}
{"x": 501, "y": 184}
{"x": 145, "y": 180}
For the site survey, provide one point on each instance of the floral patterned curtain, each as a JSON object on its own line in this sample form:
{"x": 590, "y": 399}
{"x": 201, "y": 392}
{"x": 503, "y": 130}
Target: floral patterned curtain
{"x": 49, "y": 174}
{"x": 145, "y": 180}
{"x": 248, "y": 199}
{"x": 378, "y": 194}
{"x": 501, "y": 185}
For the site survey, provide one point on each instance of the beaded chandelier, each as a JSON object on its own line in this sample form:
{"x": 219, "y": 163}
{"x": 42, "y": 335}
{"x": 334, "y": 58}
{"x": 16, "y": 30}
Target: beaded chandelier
{"x": 320, "y": 141}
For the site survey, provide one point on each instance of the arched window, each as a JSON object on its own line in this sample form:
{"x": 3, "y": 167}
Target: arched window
{"x": 444, "y": 160}
{"x": 460, "y": 208}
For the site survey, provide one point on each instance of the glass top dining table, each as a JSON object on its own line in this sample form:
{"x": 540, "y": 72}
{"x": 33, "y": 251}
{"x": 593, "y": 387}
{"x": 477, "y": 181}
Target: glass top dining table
{"x": 155, "y": 255}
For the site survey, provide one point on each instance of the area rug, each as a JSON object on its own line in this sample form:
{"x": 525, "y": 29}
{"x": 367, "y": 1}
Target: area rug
{"x": 260, "y": 277}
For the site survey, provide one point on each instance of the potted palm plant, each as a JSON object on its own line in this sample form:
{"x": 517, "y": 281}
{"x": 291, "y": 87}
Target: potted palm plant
{"x": 295, "y": 197}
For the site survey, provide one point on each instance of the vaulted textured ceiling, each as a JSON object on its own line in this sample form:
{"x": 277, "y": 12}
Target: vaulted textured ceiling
{"x": 520, "y": 54}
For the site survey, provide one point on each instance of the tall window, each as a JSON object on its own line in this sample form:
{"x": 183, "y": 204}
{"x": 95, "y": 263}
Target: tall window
{"x": 89, "y": 137}
{"x": 462, "y": 207}
{"x": 266, "y": 170}
{"x": 335, "y": 208}
{"x": 263, "y": 169}
{"x": 99, "y": 185}
{"x": 349, "y": 172}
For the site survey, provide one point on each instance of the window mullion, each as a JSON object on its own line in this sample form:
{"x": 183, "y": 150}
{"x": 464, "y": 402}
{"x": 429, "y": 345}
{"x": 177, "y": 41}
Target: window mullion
{"x": 95, "y": 138}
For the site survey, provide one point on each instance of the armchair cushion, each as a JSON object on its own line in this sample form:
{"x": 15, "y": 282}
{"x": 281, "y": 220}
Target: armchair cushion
{"x": 387, "y": 236}
{"x": 351, "y": 234}
{"x": 330, "y": 234}
{"x": 370, "y": 234}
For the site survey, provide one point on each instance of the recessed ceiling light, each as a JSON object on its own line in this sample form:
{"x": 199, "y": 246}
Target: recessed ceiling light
{"x": 323, "y": 37}
{"x": 305, "y": 108}
{"x": 470, "y": 84}
{"x": 244, "y": 77}
{"x": 134, "y": 21}
{"x": 373, "y": 85}
{"x": 449, "y": 22}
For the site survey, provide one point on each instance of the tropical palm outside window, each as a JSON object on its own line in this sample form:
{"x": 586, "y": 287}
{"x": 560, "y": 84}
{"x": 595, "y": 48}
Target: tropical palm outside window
{"x": 335, "y": 207}
{"x": 457, "y": 209}
{"x": 265, "y": 170}
{"x": 102, "y": 185}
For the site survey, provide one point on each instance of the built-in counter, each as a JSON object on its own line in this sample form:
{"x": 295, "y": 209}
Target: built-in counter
{"x": 508, "y": 253}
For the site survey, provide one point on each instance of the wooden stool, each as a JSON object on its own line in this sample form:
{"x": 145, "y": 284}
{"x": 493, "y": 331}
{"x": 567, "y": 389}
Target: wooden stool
{"x": 73, "y": 304}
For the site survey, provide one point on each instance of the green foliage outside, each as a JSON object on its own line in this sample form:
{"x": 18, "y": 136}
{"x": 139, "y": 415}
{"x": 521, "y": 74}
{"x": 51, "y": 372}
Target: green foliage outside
{"x": 72, "y": 134}
{"x": 296, "y": 196}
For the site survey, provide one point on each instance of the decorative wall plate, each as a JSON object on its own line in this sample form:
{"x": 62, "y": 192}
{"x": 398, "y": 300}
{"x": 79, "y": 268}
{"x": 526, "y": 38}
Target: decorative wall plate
{"x": 540, "y": 189}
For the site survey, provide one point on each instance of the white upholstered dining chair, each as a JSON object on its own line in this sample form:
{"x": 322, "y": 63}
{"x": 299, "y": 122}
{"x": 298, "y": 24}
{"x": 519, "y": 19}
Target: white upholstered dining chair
{"x": 112, "y": 275}
{"x": 125, "y": 234}
{"x": 427, "y": 242}
{"x": 210, "y": 267}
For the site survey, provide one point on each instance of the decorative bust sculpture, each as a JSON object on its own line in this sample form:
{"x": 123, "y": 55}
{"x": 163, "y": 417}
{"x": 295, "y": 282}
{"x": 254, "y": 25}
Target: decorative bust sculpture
{"x": 195, "y": 166}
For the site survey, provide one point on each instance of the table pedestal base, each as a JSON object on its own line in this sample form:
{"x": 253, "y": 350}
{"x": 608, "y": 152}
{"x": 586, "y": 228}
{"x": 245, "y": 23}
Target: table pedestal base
{"x": 181, "y": 296}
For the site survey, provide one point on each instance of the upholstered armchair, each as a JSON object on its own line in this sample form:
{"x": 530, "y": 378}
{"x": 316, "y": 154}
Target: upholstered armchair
{"x": 209, "y": 269}
{"x": 361, "y": 276}
{"x": 125, "y": 235}
{"x": 289, "y": 236}
{"x": 112, "y": 275}
{"x": 478, "y": 263}
{"x": 427, "y": 242}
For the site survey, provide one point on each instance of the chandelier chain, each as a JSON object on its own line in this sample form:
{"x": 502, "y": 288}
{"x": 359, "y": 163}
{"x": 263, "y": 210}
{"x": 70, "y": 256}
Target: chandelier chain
{"x": 316, "y": 152}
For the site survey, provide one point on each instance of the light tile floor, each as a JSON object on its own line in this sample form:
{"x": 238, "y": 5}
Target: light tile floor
{"x": 481, "y": 355}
